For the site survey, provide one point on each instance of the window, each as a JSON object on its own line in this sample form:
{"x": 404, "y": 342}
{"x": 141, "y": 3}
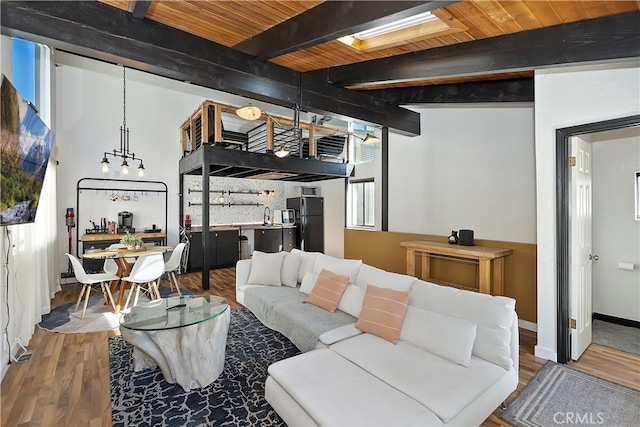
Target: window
{"x": 359, "y": 151}
{"x": 361, "y": 203}
{"x": 23, "y": 68}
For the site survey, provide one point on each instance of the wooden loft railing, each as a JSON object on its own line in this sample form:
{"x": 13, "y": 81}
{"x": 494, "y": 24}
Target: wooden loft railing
{"x": 205, "y": 126}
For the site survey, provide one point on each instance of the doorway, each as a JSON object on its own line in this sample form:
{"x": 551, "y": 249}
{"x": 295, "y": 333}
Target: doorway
{"x": 563, "y": 223}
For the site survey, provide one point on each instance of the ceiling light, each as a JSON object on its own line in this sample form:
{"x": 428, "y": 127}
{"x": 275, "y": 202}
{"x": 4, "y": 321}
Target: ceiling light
{"x": 370, "y": 139}
{"x": 141, "y": 170}
{"x": 123, "y": 151}
{"x": 395, "y": 25}
{"x": 281, "y": 152}
{"x": 249, "y": 112}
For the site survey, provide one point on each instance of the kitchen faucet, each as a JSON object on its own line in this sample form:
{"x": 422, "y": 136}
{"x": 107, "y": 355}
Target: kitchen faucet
{"x": 267, "y": 216}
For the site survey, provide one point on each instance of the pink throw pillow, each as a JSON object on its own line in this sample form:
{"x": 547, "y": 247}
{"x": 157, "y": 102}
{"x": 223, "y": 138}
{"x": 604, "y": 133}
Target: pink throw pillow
{"x": 328, "y": 290}
{"x": 383, "y": 312}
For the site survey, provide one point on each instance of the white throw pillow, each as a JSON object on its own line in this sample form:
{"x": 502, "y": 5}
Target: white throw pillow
{"x": 343, "y": 267}
{"x": 265, "y": 269}
{"x": 448, "y": 337}
{"x": 492, "y": 314}
{"x": 290, "y": 268}
{"x": 307, "y": 260}
{"x": 368, "y": 275}
{"x": 308, "y": 283}
{"x": 351, "y": 301}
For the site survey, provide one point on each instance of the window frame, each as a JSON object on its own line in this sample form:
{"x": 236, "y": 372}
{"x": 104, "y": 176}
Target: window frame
{"x": 351, "y": 214}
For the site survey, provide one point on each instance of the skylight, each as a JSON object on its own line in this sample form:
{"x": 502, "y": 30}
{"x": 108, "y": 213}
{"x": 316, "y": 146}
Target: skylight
{"x": 394, "y": 26}
{"x": 407, "y": 30}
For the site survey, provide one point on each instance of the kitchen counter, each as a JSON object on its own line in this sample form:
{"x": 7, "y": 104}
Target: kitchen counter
{"x": 248, "y": 226}
{"x": 99, "y": 237}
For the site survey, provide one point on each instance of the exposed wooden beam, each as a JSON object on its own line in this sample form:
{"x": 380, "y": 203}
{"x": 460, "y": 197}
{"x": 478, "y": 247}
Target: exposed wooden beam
{"x": 512, "y": 90}
{"x": 99, "y": 31}
{"x": 140, "y": 8}
{"x": 608, "y": 38}
{"x": 329, "y": 21}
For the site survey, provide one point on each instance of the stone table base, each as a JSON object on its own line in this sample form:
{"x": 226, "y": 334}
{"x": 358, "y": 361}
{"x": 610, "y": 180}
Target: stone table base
{"x": 192, "y": 356}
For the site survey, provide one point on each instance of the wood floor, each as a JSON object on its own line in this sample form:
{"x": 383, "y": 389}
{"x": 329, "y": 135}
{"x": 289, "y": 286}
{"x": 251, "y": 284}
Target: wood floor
{"x": 66, "y": 382}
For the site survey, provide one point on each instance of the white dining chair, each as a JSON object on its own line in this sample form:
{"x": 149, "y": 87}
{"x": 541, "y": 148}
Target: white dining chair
{"x": 110, "y": 265}
{"x": 88, "y": 281}
{"x": 173, "y": 265}
{"x": 146, "y": 271}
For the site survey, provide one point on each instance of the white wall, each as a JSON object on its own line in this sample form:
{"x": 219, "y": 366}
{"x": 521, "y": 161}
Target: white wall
{"x": 472, "y": 168}
{"x": 566, "y": 97}
{"x": 616, "y": 233}
{"x": 89, "y": 114}
{"x": 333, "y": 192}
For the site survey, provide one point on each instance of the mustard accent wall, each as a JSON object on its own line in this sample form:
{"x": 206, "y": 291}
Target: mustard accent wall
{"x": 382, "y": 249}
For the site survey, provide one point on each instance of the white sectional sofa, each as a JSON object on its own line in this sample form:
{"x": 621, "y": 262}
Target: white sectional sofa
{"x": 455, "y": 360}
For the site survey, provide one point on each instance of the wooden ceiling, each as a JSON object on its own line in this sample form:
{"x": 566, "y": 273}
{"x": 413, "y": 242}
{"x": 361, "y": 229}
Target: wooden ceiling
{"x": 232, "y": 22}
{"x": 286, "y": 52}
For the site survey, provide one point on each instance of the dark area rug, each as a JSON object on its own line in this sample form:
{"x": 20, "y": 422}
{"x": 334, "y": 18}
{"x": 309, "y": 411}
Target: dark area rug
{"x": 236, "y": 398}
{"x": 559, "y": 395}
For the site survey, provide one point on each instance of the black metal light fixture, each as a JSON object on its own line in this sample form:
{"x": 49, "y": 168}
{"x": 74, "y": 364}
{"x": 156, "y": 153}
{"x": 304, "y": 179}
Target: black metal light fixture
{"x": 123, "y": 151}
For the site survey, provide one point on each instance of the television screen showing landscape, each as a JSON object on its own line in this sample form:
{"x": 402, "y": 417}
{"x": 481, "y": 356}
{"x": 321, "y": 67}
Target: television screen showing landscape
{"x": 25, "y": 147}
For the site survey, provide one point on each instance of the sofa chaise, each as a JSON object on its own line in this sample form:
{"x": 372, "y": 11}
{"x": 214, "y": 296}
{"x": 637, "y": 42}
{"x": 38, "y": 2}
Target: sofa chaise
{"x": 451, "y": 360}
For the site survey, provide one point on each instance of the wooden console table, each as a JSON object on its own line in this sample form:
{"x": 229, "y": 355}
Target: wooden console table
{"x": 488, "y": 259}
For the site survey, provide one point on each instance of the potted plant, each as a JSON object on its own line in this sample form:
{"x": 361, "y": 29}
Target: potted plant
{"x": 131, "y": 241}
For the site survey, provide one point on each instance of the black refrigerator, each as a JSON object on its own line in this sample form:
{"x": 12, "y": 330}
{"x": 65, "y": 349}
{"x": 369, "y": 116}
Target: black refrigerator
{"x": 309, "y": 213}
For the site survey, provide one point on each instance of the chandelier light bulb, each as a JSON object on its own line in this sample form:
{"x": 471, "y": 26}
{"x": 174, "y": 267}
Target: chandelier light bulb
{"x": 125, "y": 167}
{"x": 141, "y": 170}
{"x": 105, "y": 165}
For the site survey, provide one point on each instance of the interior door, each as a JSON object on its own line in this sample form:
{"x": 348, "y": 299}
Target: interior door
{"x": 580, "y": 291}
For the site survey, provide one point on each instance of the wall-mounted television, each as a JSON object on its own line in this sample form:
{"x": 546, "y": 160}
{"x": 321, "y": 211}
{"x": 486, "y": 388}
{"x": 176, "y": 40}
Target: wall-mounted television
{"x": 25, "y": 145}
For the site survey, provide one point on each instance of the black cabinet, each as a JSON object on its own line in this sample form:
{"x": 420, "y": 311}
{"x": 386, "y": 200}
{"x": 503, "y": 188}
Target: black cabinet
{"x": 268, "y": 239}
{"x": 223, "y": 249}
{"x": 288, "y": 239}
{"x": 274, "y": 239}
{"x": 226, "y": 248}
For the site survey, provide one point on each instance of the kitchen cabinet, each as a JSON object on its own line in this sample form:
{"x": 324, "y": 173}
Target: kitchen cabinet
{"x": 223, "y": 249}
{"x": 288, "y": 239}
{"x": 268, "y": 239}
{"x": 274, "y": 239}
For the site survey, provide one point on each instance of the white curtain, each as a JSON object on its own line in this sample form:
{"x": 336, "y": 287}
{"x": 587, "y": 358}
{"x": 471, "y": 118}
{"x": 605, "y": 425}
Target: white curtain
{"x": 33, "y": 267}
{"x": 31, "y": 273}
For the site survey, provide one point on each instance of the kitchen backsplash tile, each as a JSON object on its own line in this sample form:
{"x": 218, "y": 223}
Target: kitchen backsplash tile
{"x": 232, "y": 214}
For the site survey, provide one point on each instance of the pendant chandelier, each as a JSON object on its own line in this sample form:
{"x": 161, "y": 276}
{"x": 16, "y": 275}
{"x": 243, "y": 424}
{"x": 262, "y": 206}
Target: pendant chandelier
{"x": 123, "y": 152}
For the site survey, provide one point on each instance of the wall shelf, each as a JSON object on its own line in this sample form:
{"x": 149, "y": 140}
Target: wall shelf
{"x": 249, "y": 192}
{"x": 227, "y": 204}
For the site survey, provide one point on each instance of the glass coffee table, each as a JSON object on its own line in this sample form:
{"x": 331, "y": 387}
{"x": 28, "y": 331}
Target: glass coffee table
{"x": 185, "y": 336}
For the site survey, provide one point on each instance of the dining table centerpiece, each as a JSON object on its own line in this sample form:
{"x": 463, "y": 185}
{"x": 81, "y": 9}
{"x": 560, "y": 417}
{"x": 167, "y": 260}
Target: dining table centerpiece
{"x": 131, "y": 241}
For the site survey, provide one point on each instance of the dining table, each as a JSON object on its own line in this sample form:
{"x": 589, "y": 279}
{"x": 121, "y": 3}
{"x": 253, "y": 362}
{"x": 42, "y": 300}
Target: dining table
{"x": 124, "y": 259}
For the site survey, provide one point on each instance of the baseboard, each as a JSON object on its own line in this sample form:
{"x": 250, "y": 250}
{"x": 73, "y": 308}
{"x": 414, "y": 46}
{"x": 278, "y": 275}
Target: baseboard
{"x": 545, "y": 353}
{"x": 529, "y": 326}
{"x": 616, "y": 320}
{"x": 68, "y": 280}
